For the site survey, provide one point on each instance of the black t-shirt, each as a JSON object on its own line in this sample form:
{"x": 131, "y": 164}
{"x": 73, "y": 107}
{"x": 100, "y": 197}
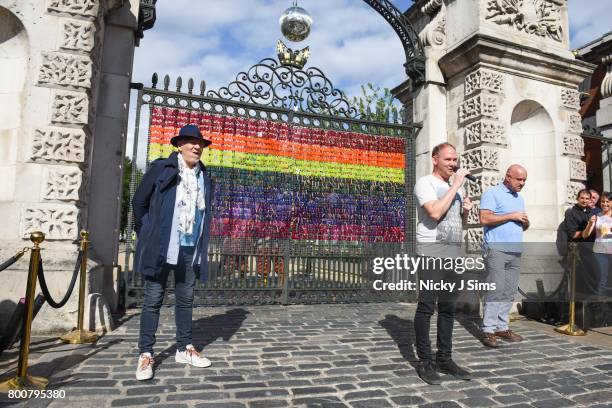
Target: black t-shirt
{"x": 576, "y": 219}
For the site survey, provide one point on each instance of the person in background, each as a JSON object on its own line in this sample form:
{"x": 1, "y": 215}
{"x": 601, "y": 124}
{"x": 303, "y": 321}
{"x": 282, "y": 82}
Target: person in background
{"x": 502, "y": 212}
{"x": 594, "y": 201}
{"x": 602, "y": 248}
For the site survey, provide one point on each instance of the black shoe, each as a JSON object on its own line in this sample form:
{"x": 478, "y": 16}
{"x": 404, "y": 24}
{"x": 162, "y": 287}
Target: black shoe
{"x": 449, "y": 367}
{"x": 427, "y": 373}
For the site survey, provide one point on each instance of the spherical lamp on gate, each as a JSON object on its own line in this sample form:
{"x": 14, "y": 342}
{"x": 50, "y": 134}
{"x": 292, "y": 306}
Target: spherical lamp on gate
{"x": 295, "y": 23}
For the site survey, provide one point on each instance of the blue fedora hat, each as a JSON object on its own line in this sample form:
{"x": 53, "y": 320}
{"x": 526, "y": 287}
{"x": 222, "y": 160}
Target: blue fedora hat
{"x": 189, "y": 132}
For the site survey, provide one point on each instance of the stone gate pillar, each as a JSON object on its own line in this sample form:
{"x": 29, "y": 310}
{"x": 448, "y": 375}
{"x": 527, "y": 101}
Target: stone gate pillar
{"x": 63, "y": 69}
{"x": 504, "y": 84}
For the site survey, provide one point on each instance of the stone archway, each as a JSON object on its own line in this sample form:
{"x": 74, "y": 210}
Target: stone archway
{"x": 531, "y": 137}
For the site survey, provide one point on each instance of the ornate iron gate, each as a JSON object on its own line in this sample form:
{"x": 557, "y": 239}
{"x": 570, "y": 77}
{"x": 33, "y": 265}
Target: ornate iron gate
{"x": 307, "y": 192}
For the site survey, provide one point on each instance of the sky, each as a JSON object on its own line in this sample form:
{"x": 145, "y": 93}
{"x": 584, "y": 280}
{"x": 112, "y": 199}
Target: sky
{"x": 352, "y": 44}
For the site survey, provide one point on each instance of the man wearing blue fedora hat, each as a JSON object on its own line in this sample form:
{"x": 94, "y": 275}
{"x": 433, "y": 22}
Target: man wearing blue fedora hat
{"x": 172, "y": 215}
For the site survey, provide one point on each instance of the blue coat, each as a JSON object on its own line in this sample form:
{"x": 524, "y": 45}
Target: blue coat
{"x": 153, "y": 207}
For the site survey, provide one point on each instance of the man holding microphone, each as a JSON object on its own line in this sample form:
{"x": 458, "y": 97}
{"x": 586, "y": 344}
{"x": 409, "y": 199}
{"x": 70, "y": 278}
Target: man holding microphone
{"x": 439, "y": 234}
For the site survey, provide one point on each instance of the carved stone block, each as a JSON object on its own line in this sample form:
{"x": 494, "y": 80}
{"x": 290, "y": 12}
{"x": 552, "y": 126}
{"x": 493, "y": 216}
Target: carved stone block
{"x": 541, "y": 18}
{"x": 86, "y": 8}
{"x": 477, "y": 107}
{"x": 62, "y": 184}
{"x": 485, "y": 131}
{"x": 57, "y": 144}
{"x": 65, "y": 70}
{"x": 570, "y": 98}
{"x": 483, "y": 79}
{"x": 574, "y": 123}
{"x": 475, "y": 239}
{"x": 573, "y": 145}
{"x": 485, "y": 181}
{"x": 57, "y": 221}
{"x": 473, "y": 217}
{"x": 571, "y": 190}
{"x": 435, "y": 34}
{"x": 77, "y": 35}
{"x": 70, "y": 107}
{"x": 481, "y": 158}
{"x": 578, "y": 169}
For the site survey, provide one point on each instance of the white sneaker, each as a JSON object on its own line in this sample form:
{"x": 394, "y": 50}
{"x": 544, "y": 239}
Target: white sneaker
{"x": 145, "y": 367}
{"x": 192, "y": 357}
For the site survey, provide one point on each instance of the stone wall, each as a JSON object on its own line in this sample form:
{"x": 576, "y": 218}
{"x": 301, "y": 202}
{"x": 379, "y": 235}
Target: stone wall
{"x": 54, "y": 56}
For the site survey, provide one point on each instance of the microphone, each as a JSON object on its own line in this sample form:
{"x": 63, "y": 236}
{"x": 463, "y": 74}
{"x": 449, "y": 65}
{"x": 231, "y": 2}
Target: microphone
{"x": 468, "y": 176}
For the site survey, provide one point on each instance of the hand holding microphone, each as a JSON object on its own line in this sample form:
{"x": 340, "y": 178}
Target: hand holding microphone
{"x": 465, "y": 174}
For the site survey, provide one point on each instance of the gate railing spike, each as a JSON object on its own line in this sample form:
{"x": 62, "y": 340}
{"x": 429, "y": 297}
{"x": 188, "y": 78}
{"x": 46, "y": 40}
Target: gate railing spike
{"x": 179, "y": 84}
{"x": 154, "y": 80}
{"x": 202, "y": 88}
{"x": 166, "y": 82}
{"x": 190, "y": 86}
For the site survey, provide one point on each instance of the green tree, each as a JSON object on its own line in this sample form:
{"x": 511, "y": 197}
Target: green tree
{"x": 125, "y": 200}
{"x": 376, "y": 104}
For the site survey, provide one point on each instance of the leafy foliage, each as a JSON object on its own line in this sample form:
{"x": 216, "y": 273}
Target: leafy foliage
{"x": 376, "y": 104}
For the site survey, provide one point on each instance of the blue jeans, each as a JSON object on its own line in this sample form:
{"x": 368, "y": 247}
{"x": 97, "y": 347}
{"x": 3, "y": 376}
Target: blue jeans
{"x": 184, "y": 279}
{"x": 604, "y": 262}
{"x": 503, "y": 269}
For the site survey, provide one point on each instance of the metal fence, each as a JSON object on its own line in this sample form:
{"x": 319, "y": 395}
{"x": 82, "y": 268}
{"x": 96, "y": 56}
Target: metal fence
{"x": 307, "y": 191}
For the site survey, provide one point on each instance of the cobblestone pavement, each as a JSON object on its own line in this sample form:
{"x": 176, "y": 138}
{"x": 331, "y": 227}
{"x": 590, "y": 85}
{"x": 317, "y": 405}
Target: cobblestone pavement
{"x": 320, "y": 356}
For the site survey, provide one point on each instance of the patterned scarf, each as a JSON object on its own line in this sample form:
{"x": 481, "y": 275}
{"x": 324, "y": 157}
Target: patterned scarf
{"x": 189, "y": 196}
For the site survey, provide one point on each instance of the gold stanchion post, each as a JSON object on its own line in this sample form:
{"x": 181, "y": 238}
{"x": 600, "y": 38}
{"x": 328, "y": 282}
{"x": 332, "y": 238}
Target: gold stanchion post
{"x": 571, "y": 329}
{"x": 79, "y": 335}
{"x": 23, "y": 380}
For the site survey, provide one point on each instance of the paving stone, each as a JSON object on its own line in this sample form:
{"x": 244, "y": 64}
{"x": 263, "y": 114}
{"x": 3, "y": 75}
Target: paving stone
{"x": 537, "y": 385}
{"x": 478, "y": 402}
{"x": 407, "y": 400}
{"x": 365, "y": 394}
{"x": 346, "y": 387}
{"x": 244, "y": 385}
{"x": 313, "y": 390}
{"x": 541, "y": 395}
{"x": 318, "y": 402}
{"x": 371, "y": 403}
{"x": 126, "y": 402}
{"x": 93, "y": 392}
{"x": 288, "y": 383}
{"x": 478, "y": 392}
{"x": 220, "y": 405}
{"x": 267, "y": 404}
{"x": 95, "y": 383}
{"x": 604, "y": 367}
{"x": 266, "y": 393}
{"x": 443, "y": 396}
{"x": 566, "y": 390}
{"x": 199, "y": 387}
{"x": 510, "y": 399}
{"x": 441, "y": 404}
{"x": 554, "y": 403}
{"x": 597, "y": 386}
{"x": 593, "y": 398}
{"x": 199, "y": 396}
{"x": 224, "y": 378}
{"x": 374, "y": 384}
{"x": 510, "y": 389}
{"x": 148, "y": 390}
